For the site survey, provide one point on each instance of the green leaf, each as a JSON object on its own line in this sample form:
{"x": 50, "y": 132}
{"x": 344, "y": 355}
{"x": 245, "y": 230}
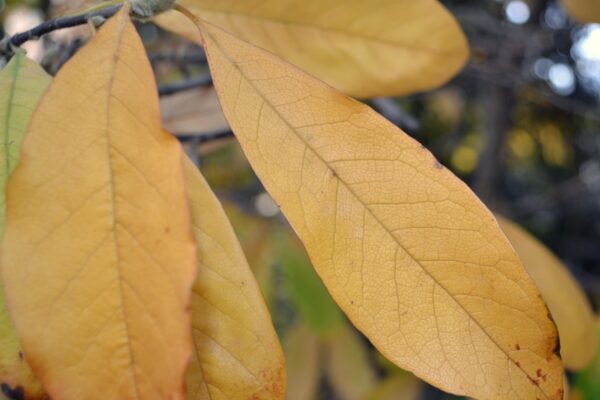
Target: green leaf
{"x": 587, "y": 382}
{"x": 22, "y": 83}
{"x": 307, "y": 292}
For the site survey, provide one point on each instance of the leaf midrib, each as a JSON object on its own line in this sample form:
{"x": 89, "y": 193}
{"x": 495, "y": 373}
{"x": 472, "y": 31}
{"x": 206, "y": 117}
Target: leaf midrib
{"x": 114, "y": 223}
{"x": 251, "y": 83}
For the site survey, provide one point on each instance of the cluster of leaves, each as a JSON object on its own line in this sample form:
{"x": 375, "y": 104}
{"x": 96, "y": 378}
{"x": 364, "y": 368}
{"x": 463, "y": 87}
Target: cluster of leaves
{"x": 119, "y": 263}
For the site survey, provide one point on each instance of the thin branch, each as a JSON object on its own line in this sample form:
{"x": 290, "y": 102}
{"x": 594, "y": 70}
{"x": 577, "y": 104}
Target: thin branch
{"x": 201, "y": 138}
{"x": 60, "y": 23}
{"x": 192, "y": 58}
{"x": 172, "y": 88}
{"x": 390, "y": 109}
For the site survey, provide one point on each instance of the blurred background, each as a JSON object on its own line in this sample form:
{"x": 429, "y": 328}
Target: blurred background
{"x": 520, "y": 124}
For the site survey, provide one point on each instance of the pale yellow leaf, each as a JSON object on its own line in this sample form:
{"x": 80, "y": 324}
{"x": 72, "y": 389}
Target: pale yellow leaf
{"x": 98, "y": 256}
{"x": 22, "y": 83}
{"x": 236, "y": 351}
{"x": 587, "y": 11}
{"x": 567, "y": 395}
{"x": 302, "y": 349}
{"x": 568, "y": 304}
{"x": 255, "y": 234}
{"x": 194, "y": 112}
{"x": 405, "y": 248}
{"x": 348, "y": 368}
{"x": 398, "y": 386}
{"x": 364, "y": 48}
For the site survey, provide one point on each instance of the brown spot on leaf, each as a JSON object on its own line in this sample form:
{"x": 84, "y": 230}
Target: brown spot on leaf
{"x": 556, "y": 345}
{"x": 517, "y": 347}
{"x": 273, "y": 386}
{"x": 21, "y": 355}
{"x": 539, "y": 373}
{"x": 518, "y": 364}
{"x": 535, "y": 382}
{"x": 167, "y": 229}
{"x": 556, "y": 349}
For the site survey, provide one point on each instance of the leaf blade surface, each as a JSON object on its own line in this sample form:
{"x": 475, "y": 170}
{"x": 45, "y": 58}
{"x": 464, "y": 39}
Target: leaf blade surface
{"x": 587, "y": 11}
{"x": 567, "y": 302}
{"x": 389, "y": 230}
{"x": 22, "y": 83}
{"x": 98, "y": 255}
{"x": 361, "y": 47}
{"x": 236, "y": 352}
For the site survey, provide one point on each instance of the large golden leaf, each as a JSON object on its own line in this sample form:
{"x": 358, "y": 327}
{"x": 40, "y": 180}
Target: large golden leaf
{"x": 364, "y": 48}
{"x": 22, "y": 83}
{"x": 237, "y": 354}
{"x": 570, "y": 308}
{"x": 587, "y": 11}
{"x": 405, "y": 248}
{"x": 98, "y": 255}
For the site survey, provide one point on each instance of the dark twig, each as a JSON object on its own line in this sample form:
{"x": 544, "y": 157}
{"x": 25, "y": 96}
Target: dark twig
{"x": 191, "y": 58}
{"x": 60, "y": 23}
{"x": 201, "y": 138}
{"x": 172, "y": 88}
{"x": 390, "y": 109}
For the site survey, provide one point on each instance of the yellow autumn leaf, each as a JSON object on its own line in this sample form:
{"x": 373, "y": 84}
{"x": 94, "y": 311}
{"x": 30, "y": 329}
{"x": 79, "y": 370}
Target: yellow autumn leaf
{"x": 22, "y": 83}
{"x": 365, "y": 48}
{"x": 397, "y": 386}
{"x": 568, "y": 304}
{"x": 567, "y": 395}
{"x": 98, "y": 256}
{"x": 405, "y": 248}
{"x": 193, "y": 112}
{"x": 236, "y": 351}
{"x": 254, "y": 234}
{"x": 302, "y": 348}
{"x": 349, "y": 371}
{"x": 587, "y": 11}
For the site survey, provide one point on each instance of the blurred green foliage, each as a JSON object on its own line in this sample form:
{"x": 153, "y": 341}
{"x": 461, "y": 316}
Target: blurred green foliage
{"x": 307, "y": 292}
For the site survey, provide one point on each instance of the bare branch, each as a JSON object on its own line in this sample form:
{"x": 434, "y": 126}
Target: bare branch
{"x": 56, "y": 24}
{"x": 204, "y": 137}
